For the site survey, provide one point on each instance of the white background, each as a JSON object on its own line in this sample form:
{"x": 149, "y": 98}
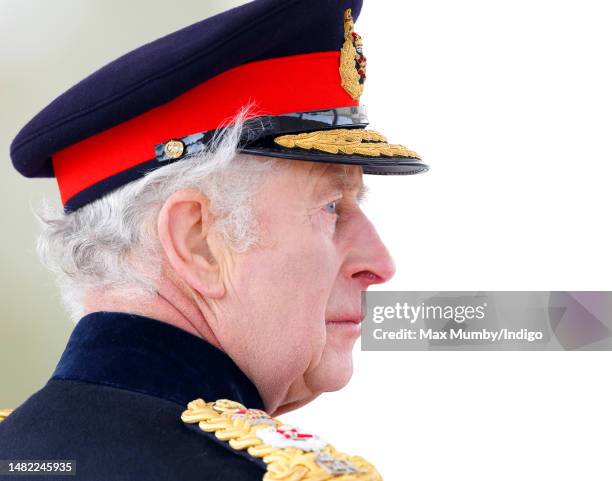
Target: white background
{"x": 510, "y": 104}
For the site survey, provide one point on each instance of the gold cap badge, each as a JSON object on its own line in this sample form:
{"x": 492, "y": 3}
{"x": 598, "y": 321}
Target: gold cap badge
{"x": 352, "y": 60}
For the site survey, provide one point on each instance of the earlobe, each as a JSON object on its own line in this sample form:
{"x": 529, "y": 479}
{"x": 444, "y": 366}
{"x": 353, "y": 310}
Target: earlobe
{"x": 184, "y": 226}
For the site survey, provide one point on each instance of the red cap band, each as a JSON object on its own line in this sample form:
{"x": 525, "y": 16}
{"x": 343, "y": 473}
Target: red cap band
{"x": 282, "y": 85}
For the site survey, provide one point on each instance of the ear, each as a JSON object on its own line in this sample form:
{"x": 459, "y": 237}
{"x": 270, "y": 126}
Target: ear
{"x": 184, "y": 226}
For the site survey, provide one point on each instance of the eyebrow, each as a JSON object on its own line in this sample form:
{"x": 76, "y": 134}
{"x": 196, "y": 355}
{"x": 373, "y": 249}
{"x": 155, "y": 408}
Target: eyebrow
{"x": 339, "y": 179}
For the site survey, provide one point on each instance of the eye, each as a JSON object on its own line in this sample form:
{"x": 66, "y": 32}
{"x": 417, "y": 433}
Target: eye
{"x": 331, "y": 208}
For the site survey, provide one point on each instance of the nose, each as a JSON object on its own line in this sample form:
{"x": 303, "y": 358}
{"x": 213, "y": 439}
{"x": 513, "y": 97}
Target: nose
{"x": 367, "y": 260}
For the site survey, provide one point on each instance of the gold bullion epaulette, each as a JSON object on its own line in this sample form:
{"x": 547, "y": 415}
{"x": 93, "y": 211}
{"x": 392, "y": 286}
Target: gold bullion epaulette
{"x": 289, "y": 454}
{"x": 4, "y": 413}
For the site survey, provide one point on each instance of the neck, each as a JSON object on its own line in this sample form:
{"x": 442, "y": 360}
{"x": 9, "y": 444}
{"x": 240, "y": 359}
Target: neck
{"x": 176, "y": 304}
{"x": 172, "y": 303}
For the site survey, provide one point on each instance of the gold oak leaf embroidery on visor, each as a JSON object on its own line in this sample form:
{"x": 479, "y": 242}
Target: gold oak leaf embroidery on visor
{"x": 290, "y": 454}
{"x": 346, "y": 141}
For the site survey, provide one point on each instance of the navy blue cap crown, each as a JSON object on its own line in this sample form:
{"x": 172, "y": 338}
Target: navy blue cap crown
{"x": 282, "y": 55}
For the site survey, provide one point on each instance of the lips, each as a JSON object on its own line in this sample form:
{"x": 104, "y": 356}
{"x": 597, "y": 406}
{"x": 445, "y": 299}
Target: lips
{"x": 345, "y": 326}
{"x": 345, "y": 319}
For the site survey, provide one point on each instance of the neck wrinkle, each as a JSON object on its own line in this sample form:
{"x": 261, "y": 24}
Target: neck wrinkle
{"x": 173, "y": 304}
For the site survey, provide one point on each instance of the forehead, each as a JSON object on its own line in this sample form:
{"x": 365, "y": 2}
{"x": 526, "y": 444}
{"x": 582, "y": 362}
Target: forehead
{"x": 300, "y": 181}
{"x": 321, "y": 178}
{"x": 345, "y": 177}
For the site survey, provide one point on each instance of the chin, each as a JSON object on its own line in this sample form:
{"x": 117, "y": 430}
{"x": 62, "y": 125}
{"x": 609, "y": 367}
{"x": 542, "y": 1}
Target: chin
{"x": 341, "y": 380}
{"x": 334, "y": 378}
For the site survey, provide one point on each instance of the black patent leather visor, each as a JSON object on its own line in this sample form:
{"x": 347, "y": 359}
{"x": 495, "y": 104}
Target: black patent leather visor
{"x": 330, "y": 136}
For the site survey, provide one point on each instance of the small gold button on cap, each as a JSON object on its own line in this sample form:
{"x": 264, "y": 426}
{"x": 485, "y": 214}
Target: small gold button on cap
{"x": 174, "y": 149}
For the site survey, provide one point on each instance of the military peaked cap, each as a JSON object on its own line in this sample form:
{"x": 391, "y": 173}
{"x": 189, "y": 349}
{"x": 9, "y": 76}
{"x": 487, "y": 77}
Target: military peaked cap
{"x": 298, "y": 65}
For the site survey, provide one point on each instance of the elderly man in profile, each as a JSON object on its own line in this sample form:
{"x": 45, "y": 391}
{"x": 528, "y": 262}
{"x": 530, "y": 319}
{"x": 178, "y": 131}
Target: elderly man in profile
{"x": 263, "y": 258}
{"x": 214, "y": 268}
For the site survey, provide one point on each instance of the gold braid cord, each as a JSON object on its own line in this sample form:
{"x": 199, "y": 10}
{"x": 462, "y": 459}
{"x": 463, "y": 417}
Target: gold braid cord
{"x": 346, "y": 141}
{"x": 4, "y": 413}
{"x": 276, "y": 444}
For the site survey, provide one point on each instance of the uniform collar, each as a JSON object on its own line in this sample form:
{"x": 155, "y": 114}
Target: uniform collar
{"x": 141, "y": 354}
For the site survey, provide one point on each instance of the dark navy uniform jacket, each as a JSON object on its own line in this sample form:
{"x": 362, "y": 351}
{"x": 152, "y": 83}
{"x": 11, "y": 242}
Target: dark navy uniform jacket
{"x": 114, "y": 405}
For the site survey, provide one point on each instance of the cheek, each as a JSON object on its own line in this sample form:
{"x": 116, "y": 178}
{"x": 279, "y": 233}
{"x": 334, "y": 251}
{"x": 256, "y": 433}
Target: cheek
{"x": 312, "y": 268}
{"x": 293, "y": 282}
{"x": 284, "y": 289}
{"x": 299, "y": 261}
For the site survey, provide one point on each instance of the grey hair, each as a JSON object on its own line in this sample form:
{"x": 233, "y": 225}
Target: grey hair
{"x": 112, "y": 243}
